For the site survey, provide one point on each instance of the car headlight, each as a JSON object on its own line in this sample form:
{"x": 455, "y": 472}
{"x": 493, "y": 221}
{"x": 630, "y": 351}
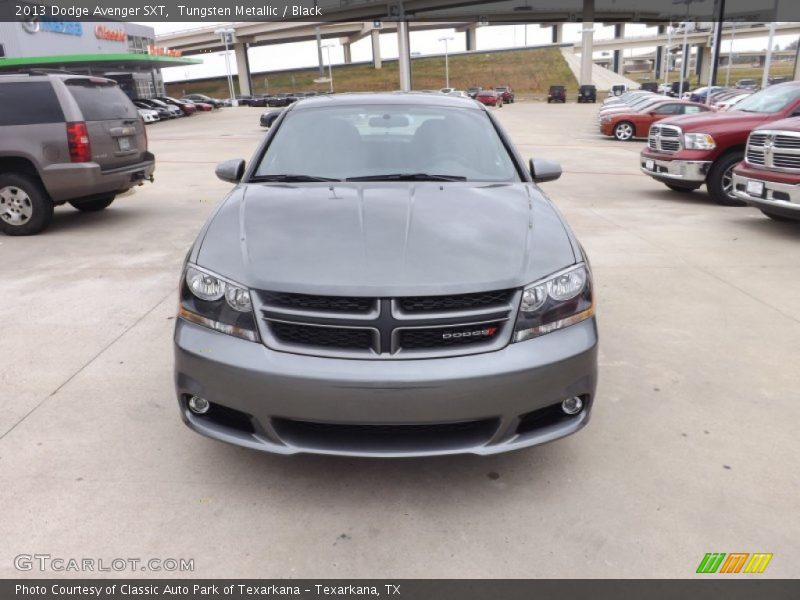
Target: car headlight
{"x": 560, "y": 300}
{"x": 216, "y": 303}
{"x": 605, "y": 119}
{"x": 698, "y": 141}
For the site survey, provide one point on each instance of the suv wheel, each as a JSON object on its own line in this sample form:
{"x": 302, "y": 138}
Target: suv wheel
{"x": 25, "y": 207}
{"x": 720, "y": 179}
{"x": 624, "y": 131}
{"x": 94, "y": 205}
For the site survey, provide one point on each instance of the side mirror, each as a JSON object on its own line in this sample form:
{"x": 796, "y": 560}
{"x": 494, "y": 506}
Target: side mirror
{"x": 544, "y": 170}
{"x": 269, "y": 118}
{"x": 230, "y": 170}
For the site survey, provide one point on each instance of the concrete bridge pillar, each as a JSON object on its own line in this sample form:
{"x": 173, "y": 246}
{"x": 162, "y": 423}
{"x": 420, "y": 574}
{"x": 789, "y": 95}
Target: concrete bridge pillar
{"x": 348, "y": 56}
{"x": 558, "y": 33}
{"x": 376, "y": 48}
{"x": 243, "y": 68}
{"x": 659, "y": 55}
{"x": 587, "y": 42}
{"x": 472, "y": 37}
{"x": 619, "y": 58}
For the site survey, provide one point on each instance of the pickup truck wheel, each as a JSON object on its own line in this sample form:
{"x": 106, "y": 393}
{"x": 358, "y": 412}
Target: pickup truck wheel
{"x": 624, "y": 131}
{"x": 781, "y": 218}
{"x": 94, "y": 205}
{"x": 684, "y": 189}
{"x": 720, "y": 180}
{"x": 25, "y": 206}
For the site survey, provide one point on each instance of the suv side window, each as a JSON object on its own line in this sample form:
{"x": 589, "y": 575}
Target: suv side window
{"x": 29, "y": 103}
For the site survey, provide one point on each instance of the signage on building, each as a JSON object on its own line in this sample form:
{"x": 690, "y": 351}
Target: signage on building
{"x": 102, "y": 32}
{"x": 159, "y": 51}
{"x": 65, "y": 27}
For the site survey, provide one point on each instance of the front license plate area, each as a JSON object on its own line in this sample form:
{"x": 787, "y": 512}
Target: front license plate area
{"x": 755, "y": 188}
{"x": 650, "y": 165}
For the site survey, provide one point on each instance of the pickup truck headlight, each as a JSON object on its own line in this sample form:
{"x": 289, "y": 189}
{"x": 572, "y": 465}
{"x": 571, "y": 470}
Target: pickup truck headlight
{"x": 698, "y": 141}
{"x": 560, "y": 300}
{"x": 216, "y": 303}
{"x": 605, "y": 119}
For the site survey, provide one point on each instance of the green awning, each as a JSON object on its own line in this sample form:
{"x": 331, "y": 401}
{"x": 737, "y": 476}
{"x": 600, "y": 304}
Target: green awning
{"x": 122, "y": 61}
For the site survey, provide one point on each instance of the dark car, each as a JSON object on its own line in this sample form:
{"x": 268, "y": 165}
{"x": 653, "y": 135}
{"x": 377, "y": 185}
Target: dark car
{"x": 202, "y": 98}
{"x": 244, "y": 100}
{"x": 187, "y": 108}
{"x": 506, "y": 92}
{"x": 557, "y": 93}
{"x": 587, "y": 93}
{"x": 473, "y": 91}
{"x": 649, "y": 86}
{"x": 173, "y": 110}
{"x": 163, "y": 113}
{"x": 66, "y": 138}
{"x": 269, "y": 117}
{"x": 372, "y": 286}
{"x": 747, "y": 84}
{"x": 699, "y": 95}
{"x": 279, "y": 101}
{"x": 675, "y": 88}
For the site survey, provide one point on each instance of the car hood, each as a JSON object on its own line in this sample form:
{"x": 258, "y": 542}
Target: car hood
{"x": 385, "y": 239}
{"x": 712, "y": 122}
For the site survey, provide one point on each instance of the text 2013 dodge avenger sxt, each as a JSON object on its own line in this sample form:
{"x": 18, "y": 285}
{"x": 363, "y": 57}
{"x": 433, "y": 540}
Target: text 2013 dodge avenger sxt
{"x": 386, "y": 279}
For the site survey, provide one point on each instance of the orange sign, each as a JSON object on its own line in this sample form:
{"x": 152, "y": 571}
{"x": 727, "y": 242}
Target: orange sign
{"x": 102, "y": 32}
{"x": 159, "y": 51}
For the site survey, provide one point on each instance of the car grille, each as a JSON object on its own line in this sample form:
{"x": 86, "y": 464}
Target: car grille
{"x": 664, "y": 138}
{"x": 386, "y": 328}
{"x": 778, "y": 150}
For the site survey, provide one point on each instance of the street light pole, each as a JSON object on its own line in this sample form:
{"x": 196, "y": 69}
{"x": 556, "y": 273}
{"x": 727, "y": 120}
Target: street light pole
{"x": 768, "y": 62}
{"x": 226, "y": 35}
{"x": 730, "y": 55}
{"x": 446, "y": 62}
{"x": 330, "y": 68}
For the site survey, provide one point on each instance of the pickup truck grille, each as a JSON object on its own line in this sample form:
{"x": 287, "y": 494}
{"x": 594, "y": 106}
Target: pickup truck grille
{"x": 777, "y": 150}
{"x": 387, "y": 328}
{"x": 664, "y": 138}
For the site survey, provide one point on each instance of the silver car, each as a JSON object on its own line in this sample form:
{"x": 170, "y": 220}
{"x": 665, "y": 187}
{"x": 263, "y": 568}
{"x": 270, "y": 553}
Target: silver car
{"x": 386, "y": 279}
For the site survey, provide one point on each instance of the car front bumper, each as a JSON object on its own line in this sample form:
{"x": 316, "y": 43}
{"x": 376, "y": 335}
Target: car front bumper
{"x": 480, "y": 404}
{"x": 690, "y": 171}
{"x": 777, "y": 197}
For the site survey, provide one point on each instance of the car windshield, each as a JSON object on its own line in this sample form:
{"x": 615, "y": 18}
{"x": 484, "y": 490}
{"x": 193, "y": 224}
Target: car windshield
{"x": 770, "y": 100}
{"x": 387, "y": 142}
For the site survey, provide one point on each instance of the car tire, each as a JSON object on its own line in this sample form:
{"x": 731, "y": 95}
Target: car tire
{"x": 624, "y": 131}
{"x": 25, "y": 206}
{"x": 683, "y": 189}
{"x": 720, "y": 179}
{"x": 548, "y": 100}
{"x": 780, "y": 218}
{"x": 94, "y": 205}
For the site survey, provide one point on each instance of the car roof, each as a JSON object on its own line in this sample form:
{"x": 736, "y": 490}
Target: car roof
{"x": 387, "y": 98}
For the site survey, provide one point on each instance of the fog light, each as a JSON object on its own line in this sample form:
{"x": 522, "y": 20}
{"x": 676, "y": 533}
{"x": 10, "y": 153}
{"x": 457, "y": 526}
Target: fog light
{"x": 572, "y": 406}
{"x": 200, "y": 406}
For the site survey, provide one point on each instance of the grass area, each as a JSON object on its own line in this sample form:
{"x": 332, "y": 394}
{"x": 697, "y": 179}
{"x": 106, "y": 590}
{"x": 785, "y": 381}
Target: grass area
{"x": 530, "y": 72}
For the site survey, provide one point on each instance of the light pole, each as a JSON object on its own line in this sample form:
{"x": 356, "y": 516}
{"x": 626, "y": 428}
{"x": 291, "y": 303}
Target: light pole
{"x": 446, "y": 62}
{"x": 768, "y": 61}
{"x": 730, "y": 55}
{"x": 327, "y": 48}
{"x": 226, "y": 35}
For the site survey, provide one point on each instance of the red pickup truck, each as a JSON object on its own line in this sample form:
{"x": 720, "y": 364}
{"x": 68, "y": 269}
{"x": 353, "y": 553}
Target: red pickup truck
{"x": 687, "y": 151}
{"x": 769, "y": 176}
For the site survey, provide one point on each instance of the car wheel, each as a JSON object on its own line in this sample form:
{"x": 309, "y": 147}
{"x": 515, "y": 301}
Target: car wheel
{"x": 720, "y": 180}
{"x": 624, "y": 131}
{"x": 781, "y": 218}
{"x": 25, "y": 206}
{"x": 548, "y": 100}
{"x": 683, "y": 189}
{"x": 94, "y": 205}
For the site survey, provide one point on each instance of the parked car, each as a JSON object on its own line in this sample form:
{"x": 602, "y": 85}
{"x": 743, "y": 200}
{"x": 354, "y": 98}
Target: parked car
{"x": 65, "y": 138}
{"x": 459, "y": 93}
{"x": 244, "y": 100}
{"x": 278, "y": 101}
{"x": 447, "y": 90}
{"x": 699, "y": 95}
{"x": 490, "y": 98}
{"x": 675, "y": 88}
{"x": 173, "y": 111}
{"x": 626, "y": 98}
{"x": 148, "y": 115}
{"x": 769, "y": 177}
{"x": 637, "y": 104}
{"x": 686, "y": 152}
{"x": 587, "y": 93}
{"x": 747, "y": 84}
{"x": 777, "y": 79}
{"x": 618, "y": 89}
{"x": 625, "y": 126}
{"x": 393, "y": 334}
{"x": 729, "y": 102}
{"x": 187, "y": 108}
{"x": 269, "y": 117}
{"x": 557, "y": 93}
{"x": 649, "y": 86}
{"x": 506, "y": 92}
{"x": 163, "y": 113}
{"x": 473, "y": 91}
{"x": 204, "y": 99}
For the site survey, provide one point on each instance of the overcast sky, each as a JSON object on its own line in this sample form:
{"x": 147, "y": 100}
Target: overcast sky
{"x": 304, "y": 54}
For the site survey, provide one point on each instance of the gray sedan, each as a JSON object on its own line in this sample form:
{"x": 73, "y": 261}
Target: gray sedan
{"x": 386, "y": 279}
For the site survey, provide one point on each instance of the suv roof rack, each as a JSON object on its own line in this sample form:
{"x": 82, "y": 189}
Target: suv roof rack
{"x": 40, "y": 71}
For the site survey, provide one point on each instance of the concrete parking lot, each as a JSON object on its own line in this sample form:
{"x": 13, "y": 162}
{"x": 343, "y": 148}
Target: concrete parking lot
{"x": 692, "y": 448}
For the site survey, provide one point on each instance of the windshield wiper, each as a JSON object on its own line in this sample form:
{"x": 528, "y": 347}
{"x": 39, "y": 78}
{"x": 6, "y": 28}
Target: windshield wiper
{"x": 290, "y": 178}
{"x": 408, "y": 177}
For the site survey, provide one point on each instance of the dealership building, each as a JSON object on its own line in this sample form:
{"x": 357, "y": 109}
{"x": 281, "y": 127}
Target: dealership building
{"x": 125, "y": 52}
